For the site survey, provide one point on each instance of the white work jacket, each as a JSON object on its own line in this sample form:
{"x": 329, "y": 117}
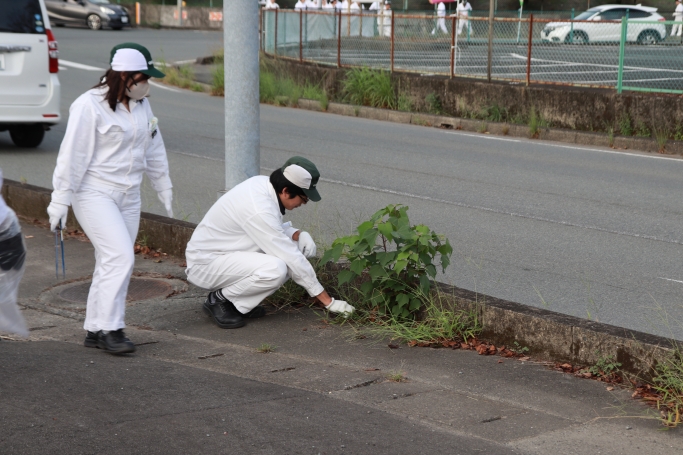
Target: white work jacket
{"x": 4, "y": 210}
{"x": 248, "y": 219}
{"x": 105, "y": 148}
{"x": 678, "y": 13}
{"x": 441, "y": 10}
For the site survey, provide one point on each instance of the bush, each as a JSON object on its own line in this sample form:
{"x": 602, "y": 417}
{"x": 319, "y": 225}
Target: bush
{"x": 369, "y": 87}
{"x": 433, "y": 104}
{"x": 395, "y": 262}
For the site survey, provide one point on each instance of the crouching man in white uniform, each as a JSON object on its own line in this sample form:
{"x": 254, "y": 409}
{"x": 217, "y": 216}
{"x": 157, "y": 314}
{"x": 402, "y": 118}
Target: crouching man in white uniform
{"x": 242, "y": 251}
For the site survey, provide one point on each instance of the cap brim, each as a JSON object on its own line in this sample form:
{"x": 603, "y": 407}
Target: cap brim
{"x": 312, "y": 194}
{"x": 153, "y": 72}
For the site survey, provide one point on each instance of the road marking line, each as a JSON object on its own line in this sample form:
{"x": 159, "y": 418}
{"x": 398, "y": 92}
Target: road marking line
{"x": 62, "y": 68}
{"x": 611, "y": 151}
{"x": 483, "y": 136}
{"x": 80, "y": 66}
{"x": 669, "y": 279}
{"x": 596, "y": 64}
{"x": 165, "y": 87}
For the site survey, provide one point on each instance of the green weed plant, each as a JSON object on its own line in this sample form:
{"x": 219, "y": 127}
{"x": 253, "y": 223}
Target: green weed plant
{"x": 369, "y": 87}
{"x": 392, "y": 259}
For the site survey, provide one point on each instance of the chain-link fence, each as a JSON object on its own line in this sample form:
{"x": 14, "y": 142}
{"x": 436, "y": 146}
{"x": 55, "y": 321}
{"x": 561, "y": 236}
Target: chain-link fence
{"x": 626, "y": 55}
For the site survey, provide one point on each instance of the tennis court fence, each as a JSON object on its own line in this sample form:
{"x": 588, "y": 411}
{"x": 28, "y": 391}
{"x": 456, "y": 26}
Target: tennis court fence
{"x": 624, "y": 55}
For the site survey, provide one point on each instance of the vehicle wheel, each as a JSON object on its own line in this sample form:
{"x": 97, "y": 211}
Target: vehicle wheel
{"x": 649, "y": 37}
{"x": 59, "y": 25}
{"x": 94, "y": 22}
{"x": 27, "y": 136}
{"x": 580, "y": 37}
{"x": 117, "y": 28}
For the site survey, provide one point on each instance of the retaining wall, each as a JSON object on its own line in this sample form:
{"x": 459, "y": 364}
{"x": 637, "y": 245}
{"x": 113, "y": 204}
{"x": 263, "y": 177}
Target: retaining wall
{"x": 573, "y": 109}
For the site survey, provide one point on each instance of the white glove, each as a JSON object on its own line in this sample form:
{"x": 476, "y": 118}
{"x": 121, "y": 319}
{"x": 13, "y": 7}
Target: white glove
{"x": 57, "y": 212}
{"x": 166, "y": 198}
{"x": 306, "y": 244}
{"x": 339, "y": 306}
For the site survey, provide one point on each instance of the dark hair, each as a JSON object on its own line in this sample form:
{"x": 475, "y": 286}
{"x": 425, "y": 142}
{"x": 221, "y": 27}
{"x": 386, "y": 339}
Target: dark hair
{"x": 116, "y": 85}
{"x": 280, "y": 182}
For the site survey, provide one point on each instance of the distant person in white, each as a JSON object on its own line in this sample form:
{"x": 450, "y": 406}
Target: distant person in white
{"x": 328, "y": 5}
{"x": 441, "y": 21}
{"x": 270, "y": 4}
{"x": 386, "y": 19}
{"x": 356, "y": 7}
{"x": 374, "y": 6}
{"x": 462, "y": 11}
{"x": 301, "y": 4}
{"x": 312, "y": 4}
{"x": 678, "y": 17}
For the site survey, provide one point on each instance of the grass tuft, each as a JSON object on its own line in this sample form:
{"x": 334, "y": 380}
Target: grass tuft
{"x": 266, "y": 348}
{"x": 369, "y": 87}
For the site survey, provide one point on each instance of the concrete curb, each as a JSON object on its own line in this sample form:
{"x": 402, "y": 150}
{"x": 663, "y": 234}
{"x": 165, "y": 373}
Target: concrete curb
{"x": 497, "y": 128}
{"x": 550, "y": 336}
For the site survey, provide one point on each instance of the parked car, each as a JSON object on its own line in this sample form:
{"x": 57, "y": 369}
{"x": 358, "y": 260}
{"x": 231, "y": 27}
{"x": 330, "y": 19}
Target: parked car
{"x": 601, "y": 32}
{"x": 96, "y": 14}
{"x": 29, "y": 87}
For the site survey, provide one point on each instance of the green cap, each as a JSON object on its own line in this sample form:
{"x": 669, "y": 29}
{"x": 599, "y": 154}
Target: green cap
{"x": 132, "y": 57}
{"x": 303, "y": 174}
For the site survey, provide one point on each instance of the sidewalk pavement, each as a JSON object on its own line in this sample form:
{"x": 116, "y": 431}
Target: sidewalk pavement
{"x": 192, "y": 387}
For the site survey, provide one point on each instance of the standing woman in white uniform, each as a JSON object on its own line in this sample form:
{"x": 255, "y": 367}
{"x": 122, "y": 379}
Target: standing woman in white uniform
{"x": 111, "y": 139}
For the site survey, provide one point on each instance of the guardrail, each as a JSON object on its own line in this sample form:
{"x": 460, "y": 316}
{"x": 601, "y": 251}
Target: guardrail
{"x": 624, "y": 55}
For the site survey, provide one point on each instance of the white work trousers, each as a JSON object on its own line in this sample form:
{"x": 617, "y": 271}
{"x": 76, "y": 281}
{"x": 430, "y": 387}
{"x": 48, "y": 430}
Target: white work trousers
{"x": 440, "y": 25}
{"x": 676, "y": 29}
{"x": 245, "y": 279}
{"x": 110, "y": 218}
{"x": 461, "y": 24}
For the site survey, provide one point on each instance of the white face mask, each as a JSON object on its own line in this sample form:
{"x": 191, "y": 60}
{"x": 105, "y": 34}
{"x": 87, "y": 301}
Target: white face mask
{"x": 139, "y": 91}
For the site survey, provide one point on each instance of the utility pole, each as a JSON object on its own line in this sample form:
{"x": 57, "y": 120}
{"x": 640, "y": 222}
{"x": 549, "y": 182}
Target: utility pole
{"x": 241, "y": 64}
{"x": 180, "y": 13}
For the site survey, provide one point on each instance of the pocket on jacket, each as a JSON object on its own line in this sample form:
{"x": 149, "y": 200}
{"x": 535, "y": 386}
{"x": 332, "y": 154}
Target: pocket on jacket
{"x": 110, "y": 134}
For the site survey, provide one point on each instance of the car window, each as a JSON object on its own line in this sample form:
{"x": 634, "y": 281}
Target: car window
{"x": 613, "y": 14}
{"x": 638, "y": 14}
{"x": 21, "y": 16}
{"x": 586, "y": 15}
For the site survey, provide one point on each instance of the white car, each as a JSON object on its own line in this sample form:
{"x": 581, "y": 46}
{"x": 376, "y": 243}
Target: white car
{"x": 601, "y": 32}
{"x": 29, "y": 87}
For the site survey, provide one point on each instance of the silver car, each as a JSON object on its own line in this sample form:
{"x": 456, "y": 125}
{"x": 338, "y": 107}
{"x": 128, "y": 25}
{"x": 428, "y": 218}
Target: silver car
{"x": 610, "y": 31}
{"x": 96, "y": 14}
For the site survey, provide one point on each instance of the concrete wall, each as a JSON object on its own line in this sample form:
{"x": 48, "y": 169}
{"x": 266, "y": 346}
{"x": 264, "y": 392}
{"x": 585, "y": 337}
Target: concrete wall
{"x": 166, "y": 16}
{"x": 562, "y": 107}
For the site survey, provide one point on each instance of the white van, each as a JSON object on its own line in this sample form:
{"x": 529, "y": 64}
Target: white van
{"x": 29, "y": 87}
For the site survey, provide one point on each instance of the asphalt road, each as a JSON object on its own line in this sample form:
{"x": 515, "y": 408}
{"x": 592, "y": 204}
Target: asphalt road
{"x": 584, "y": 231}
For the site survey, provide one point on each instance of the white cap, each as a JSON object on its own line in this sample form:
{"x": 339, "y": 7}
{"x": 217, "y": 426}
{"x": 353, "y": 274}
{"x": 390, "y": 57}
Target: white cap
{"x": 298, "y": 176}
{"x": 129, "y": 60}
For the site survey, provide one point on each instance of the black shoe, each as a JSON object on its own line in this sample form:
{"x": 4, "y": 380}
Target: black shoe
{"x": 257, "y": 312}
{"x": 223, "y": 312}
{"x": 91, "y": 339}
{"x": 115, "y": 342}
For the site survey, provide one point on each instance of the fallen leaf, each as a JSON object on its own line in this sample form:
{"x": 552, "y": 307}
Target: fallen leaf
{"x": 393, "y": 346}
{"x": 609, "y": 389}
{"x": 500, "y": 360}
{"x": 524, "y": 359}
{"x": 566, "y": 366}
{"x": 481, "y": 349}
{"x": 28, "y": 236}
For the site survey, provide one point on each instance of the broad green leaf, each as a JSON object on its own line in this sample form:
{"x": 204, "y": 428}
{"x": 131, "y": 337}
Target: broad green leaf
{"x": 345, "y": 276}
{"x": 422, "y": 229}
{"x": 425, "y": 284}
{"x": 366, "y": 288}
{"x": 415, "y": 304}
{"x": 385, "y": 258}
{"x": 431, "y": 270}
{"x": 385, "y": 229}
{"x": 402, "y": 255}
{"x": 400, "y": 265}
{"x": 377, "y": 271}
{"x": 370, "y": 237}
{"x": 396, "y": 310}
{"x": 357, "y": 266}
{"x": 445, "y": 262}
{"x": 332, "y": 254}
{"x": 364, "y": 227}
{"x": 402, "y": 299}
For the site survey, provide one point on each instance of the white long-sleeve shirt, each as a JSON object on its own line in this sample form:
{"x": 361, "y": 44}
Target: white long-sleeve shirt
{"x": 248, "y": 219}
{"x": 678, "y": 13}
{"x": 109, "y": 148}
{"x": 4, "y": 210}
{"x": 441, "y": 10}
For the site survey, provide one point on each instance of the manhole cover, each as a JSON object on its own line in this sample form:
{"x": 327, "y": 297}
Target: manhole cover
{"x": 139, "y": 289}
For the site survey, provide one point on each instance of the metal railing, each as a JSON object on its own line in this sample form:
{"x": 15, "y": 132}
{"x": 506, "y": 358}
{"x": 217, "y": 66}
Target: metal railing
{"x": 624, "y": 55}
